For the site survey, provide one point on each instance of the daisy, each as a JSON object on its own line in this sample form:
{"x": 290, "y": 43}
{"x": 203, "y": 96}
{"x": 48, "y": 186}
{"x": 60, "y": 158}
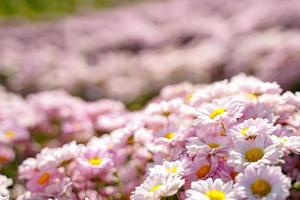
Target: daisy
{"x": 94, "y": 161}
{"x": 4, "y": 184}
{"x": 223, "y": 111}
{"x": 211, "y": 190}
{"x": 173, "y": 168}
{"x": 262, "y": 182}
{"x": 157, "y": 186}
{"x": 199, "y": 169}
{"x": 260, "y": 150}
{"x": 210, "y": 145}
{"x": 290, "y": 144}
{"x": 251, "y": 128}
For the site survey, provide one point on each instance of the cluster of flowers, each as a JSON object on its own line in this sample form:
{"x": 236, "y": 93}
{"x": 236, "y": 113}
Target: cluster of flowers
{"x": 237, "y": 139}
{"x": 52, "y": 118}
{"x": 87, "y": 54}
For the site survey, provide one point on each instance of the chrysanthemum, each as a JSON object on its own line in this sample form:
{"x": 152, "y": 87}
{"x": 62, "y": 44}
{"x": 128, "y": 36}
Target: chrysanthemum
{"x": 259, "y": 150}
{"x": 262, "y": 182}
{"x": 251, "y": 128}
{"x": 199, "y": 169}
{"x": 173, "y": 168}
{"x": 290, "y": 144}
{"x": 210, "y": 145}
{"x": 94, "y": 161}
{"x": 4, "y": 184}
{"x": 157, "y": 186}
{"x": 211, "y": 190}
{"x": 225, "y": 111}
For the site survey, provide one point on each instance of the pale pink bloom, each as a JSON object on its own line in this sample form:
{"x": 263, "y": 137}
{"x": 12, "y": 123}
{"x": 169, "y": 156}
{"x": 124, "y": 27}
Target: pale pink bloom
{"x": 111, "y": 121}
{"x": 199, "y": 169}
{"x": 208, "y": 146}
{"x": 224, "y": 171}
{"x": 262, "y": 182}
{"x": 291, "y": 98}
{"x": 51, "y": 182}
{"x": 259, "y": 110}
{"x": 211, "y": 92}
{"x": 172, "y": 168}
{"x": 181, "y": 90}
{"x": 254, "y": 86}
{"x": 7, "y": 155}
{"x": 94, "y": 161}
{"x": 220, "y": 112}
{"x": 157, "y": 186}
{"x": 164, "y": 108}
{"x": 260, "y": 150}
{"x": 251, "y": 128}
{"x": 290, "y": 144}
{"x": 4, "y": 184}
{"x": 210, "y": 189}
{"x": 11, "y": 132}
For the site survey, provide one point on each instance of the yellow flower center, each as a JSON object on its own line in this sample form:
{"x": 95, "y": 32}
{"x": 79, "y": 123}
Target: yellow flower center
{"x": 244, "y": 131}
{"x": 203, "y": 171}
{"x": 189, "y": 97}
{"x": 9, "y": 133}
{"x": 169, "y": 135}
{"x": 252, "y": 96}
{"x": 155, "y": 187}
{"x": 216, "y": 112}
{"x": 213, "y": 145}
{"x": 95, "y": 161}
{"x": 172, "y": 169}
{"x": 261, "y": 188}
{"x": 44, "y": 178}
{"x": 215, "y": 195}
{"x": 254, "y": 154}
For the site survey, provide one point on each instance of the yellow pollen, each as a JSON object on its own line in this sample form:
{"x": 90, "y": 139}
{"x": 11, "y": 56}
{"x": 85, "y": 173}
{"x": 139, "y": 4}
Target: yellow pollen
{"x": 95, "y": 161}
{"x": 215, "y": 195}
{"x": 44, "y": 178}
{"x": 254, "y": 154}
{"x": 170, "y": 135}
{"x": 244, "y": 131}
{"x": 189, "y": 97}
{"x": 252, "y": 96}
{"x": 284, "y": 140}
{"x": 9, "y": 133}
{"x": 216, "y": 112}
{"x": 213, "y": 145}
{"x": 155, "y": 187}
{"x": 261, "y": 188}
{"x": 203, "y": 171}
{"x": 172, "y": 170}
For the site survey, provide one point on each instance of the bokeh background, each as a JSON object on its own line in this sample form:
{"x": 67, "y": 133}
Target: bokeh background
{"x": 129, "y": 49}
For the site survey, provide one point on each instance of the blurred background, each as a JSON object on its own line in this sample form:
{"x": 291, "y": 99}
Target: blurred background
{"x": 129, "y": 49}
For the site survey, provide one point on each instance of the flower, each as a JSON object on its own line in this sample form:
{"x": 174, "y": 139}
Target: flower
{"x": 155, "y": 187}
{"x": 173, "y": 168}
{"x": 224, "y": 111}
{"x": 260, "y": 150}
{"x": 208, "y": 146}
{"x": 251, "y": 128}
{"x": 262, "y": 182}
{"x": 211, "y": 190}
{"x": 94, "y": 161}
{"x": 4, "y": 184}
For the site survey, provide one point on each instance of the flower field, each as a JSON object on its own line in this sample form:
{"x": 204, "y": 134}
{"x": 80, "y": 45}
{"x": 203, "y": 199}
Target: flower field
{"x": 158, "y": 100}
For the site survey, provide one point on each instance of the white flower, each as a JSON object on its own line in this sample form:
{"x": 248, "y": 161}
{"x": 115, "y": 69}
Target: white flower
{"x": 225, "y": 111}
{"x": 262, "y": 182}
{"x": 251, "y": 128}
{"x": 290, "y": 144}
{"x": 157, "y": 186}
{"x": 210, "y": 145}
{"x": 210, "y": 190}
{"x": 4, "y": 184}
{"x": 261, "y": 150}
{"x": 168, "y": 168}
